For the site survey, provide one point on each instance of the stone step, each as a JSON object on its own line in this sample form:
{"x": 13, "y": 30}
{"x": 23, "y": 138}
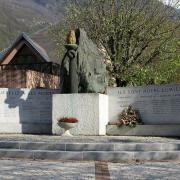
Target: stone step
{"x": 49, "y": 146}
{"x": 110, "y": 156}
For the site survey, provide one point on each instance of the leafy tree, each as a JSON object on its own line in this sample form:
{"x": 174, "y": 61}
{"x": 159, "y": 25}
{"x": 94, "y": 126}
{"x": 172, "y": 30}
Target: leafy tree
{"x": 134, "y": 33}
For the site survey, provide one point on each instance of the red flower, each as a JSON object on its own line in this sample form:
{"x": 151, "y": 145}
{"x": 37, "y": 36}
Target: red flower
{"x": 121, "y": 121}
{"x": 68, "y": 120}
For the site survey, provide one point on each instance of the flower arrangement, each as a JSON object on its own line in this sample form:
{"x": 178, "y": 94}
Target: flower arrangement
{"x": 68, "y": 120}
{"x": 129, "y": 117}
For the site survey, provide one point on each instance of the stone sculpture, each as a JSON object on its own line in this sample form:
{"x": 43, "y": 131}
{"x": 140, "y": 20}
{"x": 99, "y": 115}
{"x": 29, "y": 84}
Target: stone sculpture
{"x": 83, "y": 69}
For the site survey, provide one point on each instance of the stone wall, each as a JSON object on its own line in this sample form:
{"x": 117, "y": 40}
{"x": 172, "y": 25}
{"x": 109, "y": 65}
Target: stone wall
{"x": 36, "y": 111}
{"x": 26, "y": 111}
{"x": 36, "y": 79}
{"x": 156, "y": 104}
{"x": 12, "y": 78}
{"x": 28, "y": 79}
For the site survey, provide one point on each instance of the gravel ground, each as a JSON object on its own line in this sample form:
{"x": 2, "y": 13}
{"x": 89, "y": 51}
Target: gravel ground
{"x": 85, "y": 139}
{"x": 49, "y": 170}
{"x": 145, "y": 171}
{"x": 34, "y": 170}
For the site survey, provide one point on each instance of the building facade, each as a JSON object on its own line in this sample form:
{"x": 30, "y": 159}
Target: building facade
{"x": 25, "y": 64}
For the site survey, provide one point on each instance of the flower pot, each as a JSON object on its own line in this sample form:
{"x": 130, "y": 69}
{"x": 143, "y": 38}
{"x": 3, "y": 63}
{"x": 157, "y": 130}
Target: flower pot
{"x": 67, "y": 126}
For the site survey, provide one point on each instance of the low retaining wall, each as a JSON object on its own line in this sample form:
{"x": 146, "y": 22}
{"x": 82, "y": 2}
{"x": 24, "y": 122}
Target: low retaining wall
{"x": 90, "y": 109}
{"x": 144, "y": 130}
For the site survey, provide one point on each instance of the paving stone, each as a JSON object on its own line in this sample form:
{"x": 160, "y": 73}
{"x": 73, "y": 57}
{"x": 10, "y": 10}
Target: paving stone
{"x": 46, "y": 170}
{"x": 89, "y": 147}
{"x": 170, "y": 147}
{"x": 112, "y": 152}
{"x": 37, "y": 170}
{"x": 102, "y": 171}
{"x": 42, "y": 146}
{"x": 137, "y": 147}
{"x": 108, "y": 156}
{"x": 13, "y": 153}
{"x": 145, "y": 171}
{"x": 58, "y": 155}
{"x": 9, "y": 144}
{"x": 157, "y": 156}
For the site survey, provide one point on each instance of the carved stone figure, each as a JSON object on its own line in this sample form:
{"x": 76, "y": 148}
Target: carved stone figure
{"x": 83, "y": 69}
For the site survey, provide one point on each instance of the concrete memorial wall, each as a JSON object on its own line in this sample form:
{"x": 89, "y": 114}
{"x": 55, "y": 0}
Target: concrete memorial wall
{"x": 90, "y": 109}
{"x": 26, "y": 110}
{"x": 156, "y": 104}
{"x": 36, "y": 111}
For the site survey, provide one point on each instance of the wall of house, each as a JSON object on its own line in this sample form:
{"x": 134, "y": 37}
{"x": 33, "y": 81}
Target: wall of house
{"x": 36, "y": 79}
{"x": 25, "y": 55}
{"x": 28, "y": 79}
{"x": 12, "y": 78}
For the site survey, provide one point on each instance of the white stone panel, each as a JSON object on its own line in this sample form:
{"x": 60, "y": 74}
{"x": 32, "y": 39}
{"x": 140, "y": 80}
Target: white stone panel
{"x": 87, "y": 108}
{"x": 103, "y": 113}
{"x": 156, "y": 104}
{"x": 26, "y": 110}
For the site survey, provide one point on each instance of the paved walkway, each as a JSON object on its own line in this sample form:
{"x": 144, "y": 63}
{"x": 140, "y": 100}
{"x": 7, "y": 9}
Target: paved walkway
{"x": 48, "y": 170}
{"x": 84, "y": 139}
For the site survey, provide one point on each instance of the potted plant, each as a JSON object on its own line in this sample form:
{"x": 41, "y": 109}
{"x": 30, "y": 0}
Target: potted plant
{"x": 67, "y": 124}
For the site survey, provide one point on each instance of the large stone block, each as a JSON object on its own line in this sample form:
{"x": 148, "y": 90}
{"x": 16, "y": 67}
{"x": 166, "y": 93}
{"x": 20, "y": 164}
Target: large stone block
{"x": 156, "y": 104}
{"x": 90, "y": 109}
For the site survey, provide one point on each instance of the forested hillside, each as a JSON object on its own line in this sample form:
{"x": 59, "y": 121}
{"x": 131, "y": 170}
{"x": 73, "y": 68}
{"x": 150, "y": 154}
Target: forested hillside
{"x": 27, "y": 16}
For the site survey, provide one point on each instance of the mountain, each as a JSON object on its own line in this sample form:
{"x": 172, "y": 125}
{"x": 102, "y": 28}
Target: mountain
{"x": 56, "y": 6}
{"x": 27, "y": 16}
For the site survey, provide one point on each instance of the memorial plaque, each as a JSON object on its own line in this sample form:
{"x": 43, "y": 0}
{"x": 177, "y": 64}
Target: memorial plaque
{"x": 156, "y": 104}
{"x": 26, "y": 107}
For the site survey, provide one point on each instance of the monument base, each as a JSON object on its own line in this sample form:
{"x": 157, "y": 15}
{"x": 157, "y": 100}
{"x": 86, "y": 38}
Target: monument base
{"x": 144, "y": 130}
{"x": 90, "y": 109}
